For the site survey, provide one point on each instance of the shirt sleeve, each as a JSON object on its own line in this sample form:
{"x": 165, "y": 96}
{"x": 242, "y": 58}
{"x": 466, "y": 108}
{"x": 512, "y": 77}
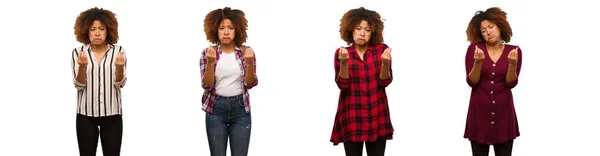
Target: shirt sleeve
{"x": 121, "y": 84}
{"x": 514, "y": 83}
{"x": 75, "y": 66}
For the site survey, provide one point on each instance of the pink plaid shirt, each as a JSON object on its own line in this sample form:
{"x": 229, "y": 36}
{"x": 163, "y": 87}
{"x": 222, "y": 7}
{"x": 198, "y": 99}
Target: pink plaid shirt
{"x": 208, "y": 97}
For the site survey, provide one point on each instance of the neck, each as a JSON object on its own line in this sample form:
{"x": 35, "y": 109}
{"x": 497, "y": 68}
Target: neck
{"x": 494, "y": 46}
{"x": 99, "y": 48}
{"x": 360, "y": 48}
{"x": 227, "y": 48}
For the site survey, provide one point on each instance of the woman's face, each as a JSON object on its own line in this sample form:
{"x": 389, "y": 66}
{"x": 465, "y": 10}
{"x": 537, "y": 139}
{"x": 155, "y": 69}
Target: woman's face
{"x": 362, "y": 33}
{"x": 490, "y": 31}
{"x": 226, "y": 32}
{"x": 97, "y": 33}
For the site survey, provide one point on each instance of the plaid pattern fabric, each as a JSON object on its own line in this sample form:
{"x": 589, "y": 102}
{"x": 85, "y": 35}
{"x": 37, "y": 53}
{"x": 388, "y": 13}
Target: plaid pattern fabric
{"x": 208, "y": 97}
{"x": 363, "y": 112}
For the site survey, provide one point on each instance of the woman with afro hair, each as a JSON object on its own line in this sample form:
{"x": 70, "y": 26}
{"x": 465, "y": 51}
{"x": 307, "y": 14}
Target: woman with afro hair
{"x": 362, "y": 72}
{"x": 228, "y": 71}
{"x": 492, "y": 70}
{"x": 98, "y": 74}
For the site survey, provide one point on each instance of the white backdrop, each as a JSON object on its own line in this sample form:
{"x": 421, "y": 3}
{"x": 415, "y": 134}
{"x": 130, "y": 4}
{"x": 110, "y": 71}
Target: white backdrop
{"x": 295, "y": 101}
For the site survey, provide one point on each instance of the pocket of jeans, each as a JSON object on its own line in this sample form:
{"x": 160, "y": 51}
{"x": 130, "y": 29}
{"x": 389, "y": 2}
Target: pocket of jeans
{"x": 240, "y": 102}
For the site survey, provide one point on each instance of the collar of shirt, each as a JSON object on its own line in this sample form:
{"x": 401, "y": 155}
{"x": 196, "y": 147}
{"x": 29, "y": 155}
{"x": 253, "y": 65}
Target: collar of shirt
{"x": 352, "y": 50}
{"x": 237, "y": 49}
{"x": 88, "y": 47}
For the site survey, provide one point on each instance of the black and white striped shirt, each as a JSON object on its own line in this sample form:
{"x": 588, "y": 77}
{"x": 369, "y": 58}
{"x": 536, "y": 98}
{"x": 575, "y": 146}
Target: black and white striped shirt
{"x": 100, "y": 95}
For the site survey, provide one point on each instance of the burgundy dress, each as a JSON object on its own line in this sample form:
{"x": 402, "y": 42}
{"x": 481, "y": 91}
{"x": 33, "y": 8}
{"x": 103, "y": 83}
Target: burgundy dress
{"x": 491, "y": 118}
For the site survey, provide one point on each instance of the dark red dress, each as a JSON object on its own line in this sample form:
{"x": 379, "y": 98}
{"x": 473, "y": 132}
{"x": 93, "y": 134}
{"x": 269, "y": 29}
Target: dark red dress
{"x": 491, "y": 118}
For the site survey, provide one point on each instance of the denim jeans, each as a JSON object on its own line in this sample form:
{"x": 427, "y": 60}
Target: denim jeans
{"x": 228, "y": 120}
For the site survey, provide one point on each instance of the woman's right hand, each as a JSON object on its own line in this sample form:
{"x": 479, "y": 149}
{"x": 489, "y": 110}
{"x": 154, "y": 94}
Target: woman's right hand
{"x": 82, "y": 59}
{"x": 211, "y": 54}
{"x": 343, "y": 55}
{"x": 478, "y": 55}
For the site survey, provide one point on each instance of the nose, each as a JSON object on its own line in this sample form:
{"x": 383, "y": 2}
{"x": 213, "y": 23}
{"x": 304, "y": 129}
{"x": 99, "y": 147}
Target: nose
{"x": 96, "y": 32}
{"x": 362, "y": 33}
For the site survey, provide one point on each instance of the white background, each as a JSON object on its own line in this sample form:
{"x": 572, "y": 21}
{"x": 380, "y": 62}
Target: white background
{"x": 295, "y": 101}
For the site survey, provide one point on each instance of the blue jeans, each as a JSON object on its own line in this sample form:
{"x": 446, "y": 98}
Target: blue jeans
{"x": 228, "y": 120}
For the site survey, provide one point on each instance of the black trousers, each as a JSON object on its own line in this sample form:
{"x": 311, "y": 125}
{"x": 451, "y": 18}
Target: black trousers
{"x": 375, "y": 148}
{"x": 500, "y": 149}
{"x": 110, "y": 130}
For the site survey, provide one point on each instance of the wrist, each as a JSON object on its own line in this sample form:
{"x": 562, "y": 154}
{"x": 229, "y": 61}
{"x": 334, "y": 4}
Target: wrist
{"x": 385, "y": 63}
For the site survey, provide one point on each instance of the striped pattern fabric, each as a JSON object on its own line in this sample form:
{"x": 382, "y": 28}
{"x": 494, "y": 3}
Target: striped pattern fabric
{"x": 101, "y": 94}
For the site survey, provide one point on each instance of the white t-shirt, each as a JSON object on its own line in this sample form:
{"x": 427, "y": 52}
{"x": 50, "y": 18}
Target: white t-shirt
{"x": 228, "y": 76}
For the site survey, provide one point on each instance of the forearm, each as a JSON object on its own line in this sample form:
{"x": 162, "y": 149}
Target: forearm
{"x": 511, "y": 74}
{"x": 344, "y": 70}
{"x": 119, "y": 72}
{"x": 250, "y": 75}
{"x": 209, "y": 74}
{"x": 384, "y": 74}
{"x": 81, "y": 74}
{"x": 475, "y": 73}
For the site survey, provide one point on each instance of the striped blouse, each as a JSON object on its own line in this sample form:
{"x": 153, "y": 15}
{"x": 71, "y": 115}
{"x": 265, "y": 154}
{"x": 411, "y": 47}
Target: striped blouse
{"x": 101, "y": 94}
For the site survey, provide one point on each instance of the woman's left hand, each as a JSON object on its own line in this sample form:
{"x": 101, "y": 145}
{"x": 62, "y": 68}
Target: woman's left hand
{"x": 513, "y": 56}
{"x": 386, "y": 56}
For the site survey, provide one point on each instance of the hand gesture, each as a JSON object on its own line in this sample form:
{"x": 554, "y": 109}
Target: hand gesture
{"x": 478, "y": 55}
{"x": 211, "y": 54}
{"x": 120, "y": 61}
{"x": 82, "y": 59}
{"x": 513, "y": 56}
{"x": 386, "y": 56}
{"x": 343, "y": 55}
{"x": 249, "y": 55}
